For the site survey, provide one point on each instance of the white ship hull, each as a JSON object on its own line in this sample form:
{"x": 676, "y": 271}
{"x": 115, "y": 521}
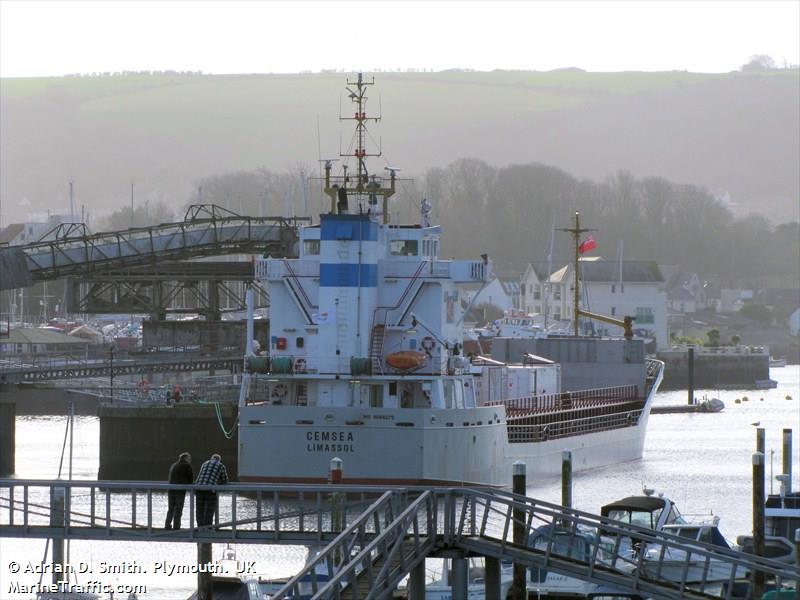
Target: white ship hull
{"x": 380, "y": 446}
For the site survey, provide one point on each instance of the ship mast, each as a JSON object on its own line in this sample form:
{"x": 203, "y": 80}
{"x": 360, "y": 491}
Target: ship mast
{"x": 339, "y": 188}
{"x": 576, "y": 235}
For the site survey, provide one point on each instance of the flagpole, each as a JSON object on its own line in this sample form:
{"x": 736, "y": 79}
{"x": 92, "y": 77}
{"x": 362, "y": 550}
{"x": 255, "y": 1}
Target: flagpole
{"x": 576, "y": 287}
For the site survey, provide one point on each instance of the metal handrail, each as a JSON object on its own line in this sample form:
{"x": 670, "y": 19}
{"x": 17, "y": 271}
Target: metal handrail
{"x": 335, "y": 553}
{"x": 405, "y": 524}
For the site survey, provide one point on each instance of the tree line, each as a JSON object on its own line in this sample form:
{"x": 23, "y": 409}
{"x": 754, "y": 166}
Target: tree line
{"x": 513, "y": 213}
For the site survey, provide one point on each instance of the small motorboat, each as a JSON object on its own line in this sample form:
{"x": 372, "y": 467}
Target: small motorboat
{"x": 659, "y": 513}
{"x": 406, "y": 360}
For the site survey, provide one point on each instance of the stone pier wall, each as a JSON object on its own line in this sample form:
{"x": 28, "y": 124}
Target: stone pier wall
{"x": 713, "y": 370}
{"x": 142, "y": 443}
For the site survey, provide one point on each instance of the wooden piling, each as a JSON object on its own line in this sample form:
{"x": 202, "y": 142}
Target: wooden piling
{"x": 57, "y": 516}
{"x": 459, "y": 582}
{"x": 416, "y": 582}
{"x": 758, "y": 520}
{"x": 566, "y": 479}
{"x": 7, "y": 440}
{"x": 492, "y": 581}
{"x": 519, "y": 483}
{"x": 787, "y": 458}
{"x": 761, "y": 444}
{"x": 204, "y": 587}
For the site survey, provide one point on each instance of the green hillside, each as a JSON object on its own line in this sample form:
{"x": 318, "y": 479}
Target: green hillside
{"x": 734, "y": 133}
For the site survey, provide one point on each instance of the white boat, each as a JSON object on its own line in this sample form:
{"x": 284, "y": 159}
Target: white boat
{"x": 659, "y": 513}
{"x": 441, "y": 587}
{"x": 517, "y": 325}
{"x": 775, "y": 363}
{"x": 366, "y": 293}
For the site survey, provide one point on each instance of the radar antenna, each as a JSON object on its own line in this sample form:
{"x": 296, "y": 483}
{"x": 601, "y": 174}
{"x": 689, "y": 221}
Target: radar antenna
{"x": 362, "y": 185}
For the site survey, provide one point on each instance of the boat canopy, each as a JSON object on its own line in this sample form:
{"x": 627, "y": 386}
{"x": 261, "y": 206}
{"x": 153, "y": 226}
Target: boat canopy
{"x": 634, "y": 503}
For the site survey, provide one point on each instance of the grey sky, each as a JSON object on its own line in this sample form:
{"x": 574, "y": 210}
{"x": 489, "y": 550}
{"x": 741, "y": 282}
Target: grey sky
{"x": 55, "y": 38}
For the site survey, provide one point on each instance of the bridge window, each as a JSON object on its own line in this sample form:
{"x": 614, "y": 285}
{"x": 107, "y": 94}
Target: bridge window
{"x": 403, "y": 247}
{"x": 311, "y": 247}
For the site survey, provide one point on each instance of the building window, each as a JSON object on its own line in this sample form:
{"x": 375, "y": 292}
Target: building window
{"x": 613, "y": 311}
{"x": 537, "y": 292}
{"x": 613, "y": 288}
{"x": 644, "y": 315}
{"x": 311, "y": 247}
{"x": 557, "y": 293}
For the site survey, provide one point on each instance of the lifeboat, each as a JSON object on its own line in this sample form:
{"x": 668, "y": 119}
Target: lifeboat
{"x": 406, "y": 360}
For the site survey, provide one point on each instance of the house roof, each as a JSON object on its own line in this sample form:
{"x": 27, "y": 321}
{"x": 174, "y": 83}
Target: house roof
{"x": 37, "y": 335}
{"x": 680, "y": 295}
{"x": 541, "y": 268}
{"x": 680, "y": 279}
{"x": 599, "y": 271}
{"x": 510, "y": 286}
{"x": 8, "y": 234}
{"x": 560, "y": 276}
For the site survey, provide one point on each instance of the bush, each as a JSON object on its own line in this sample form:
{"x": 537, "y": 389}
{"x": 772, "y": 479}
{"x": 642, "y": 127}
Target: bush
{"x": 757, "y": 312}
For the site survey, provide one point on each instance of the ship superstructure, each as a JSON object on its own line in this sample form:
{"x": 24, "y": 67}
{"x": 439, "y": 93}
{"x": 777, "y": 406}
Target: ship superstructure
{"x": 365, "y": 361}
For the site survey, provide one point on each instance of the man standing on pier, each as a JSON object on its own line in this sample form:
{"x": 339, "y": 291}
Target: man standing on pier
{"x": 179, "y": 473}
{"x": 212, "y": 472}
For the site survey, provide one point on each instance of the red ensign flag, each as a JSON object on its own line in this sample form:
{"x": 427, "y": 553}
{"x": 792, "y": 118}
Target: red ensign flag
{"x": 587, "y": 244}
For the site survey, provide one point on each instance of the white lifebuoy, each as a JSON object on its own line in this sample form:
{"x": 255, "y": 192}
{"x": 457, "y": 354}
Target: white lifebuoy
{"x": 279, "y": 391}
{"x": 428, "y": 344}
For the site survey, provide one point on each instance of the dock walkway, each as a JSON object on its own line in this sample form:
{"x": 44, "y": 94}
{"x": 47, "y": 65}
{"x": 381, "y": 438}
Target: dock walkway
{"x": 375, "y": 537}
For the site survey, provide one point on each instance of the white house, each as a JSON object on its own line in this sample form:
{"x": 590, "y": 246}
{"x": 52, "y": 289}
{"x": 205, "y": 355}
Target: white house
{"x": 685, "y": 292}
{"x": 732, "y": 301}
{"x": 17, "y": 234}
{"x": 531, "y": 287}
{"x": 493, "y": 292}
{"x": 633, "y": 290}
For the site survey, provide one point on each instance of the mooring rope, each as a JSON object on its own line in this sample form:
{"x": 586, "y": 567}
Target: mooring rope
{"x": 228, "y": 434}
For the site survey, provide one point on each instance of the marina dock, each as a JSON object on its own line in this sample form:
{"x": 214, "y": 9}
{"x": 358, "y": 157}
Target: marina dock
{"x": 374, "y": 538}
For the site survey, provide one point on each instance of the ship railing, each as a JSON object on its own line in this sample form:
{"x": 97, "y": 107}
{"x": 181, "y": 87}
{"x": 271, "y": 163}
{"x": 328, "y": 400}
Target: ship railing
{"x": 568, "y": 400}
{"x": 522, "y": 430}
{"x": 414, "y": 269}
{"x": 469, "y": 270}
{"x": 721, "y": 350}
{"x": 275, "y": 268}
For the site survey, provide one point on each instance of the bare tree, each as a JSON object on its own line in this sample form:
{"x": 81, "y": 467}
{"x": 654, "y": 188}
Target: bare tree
{"x": 759, "y": 62}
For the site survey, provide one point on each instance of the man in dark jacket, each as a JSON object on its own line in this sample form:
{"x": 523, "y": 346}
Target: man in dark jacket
{"x": 180, "y": 473}
{"x": 212, "y": 473}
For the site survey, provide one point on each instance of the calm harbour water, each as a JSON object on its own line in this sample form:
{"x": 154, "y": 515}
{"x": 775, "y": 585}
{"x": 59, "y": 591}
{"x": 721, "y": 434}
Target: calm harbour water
{"x": 701, "y": 461}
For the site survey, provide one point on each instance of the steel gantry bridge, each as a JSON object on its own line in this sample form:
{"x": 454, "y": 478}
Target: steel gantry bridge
{"x": 47, "y": 369}
{"x": 374, "y": 538}
{"x": 71, "y": 250}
